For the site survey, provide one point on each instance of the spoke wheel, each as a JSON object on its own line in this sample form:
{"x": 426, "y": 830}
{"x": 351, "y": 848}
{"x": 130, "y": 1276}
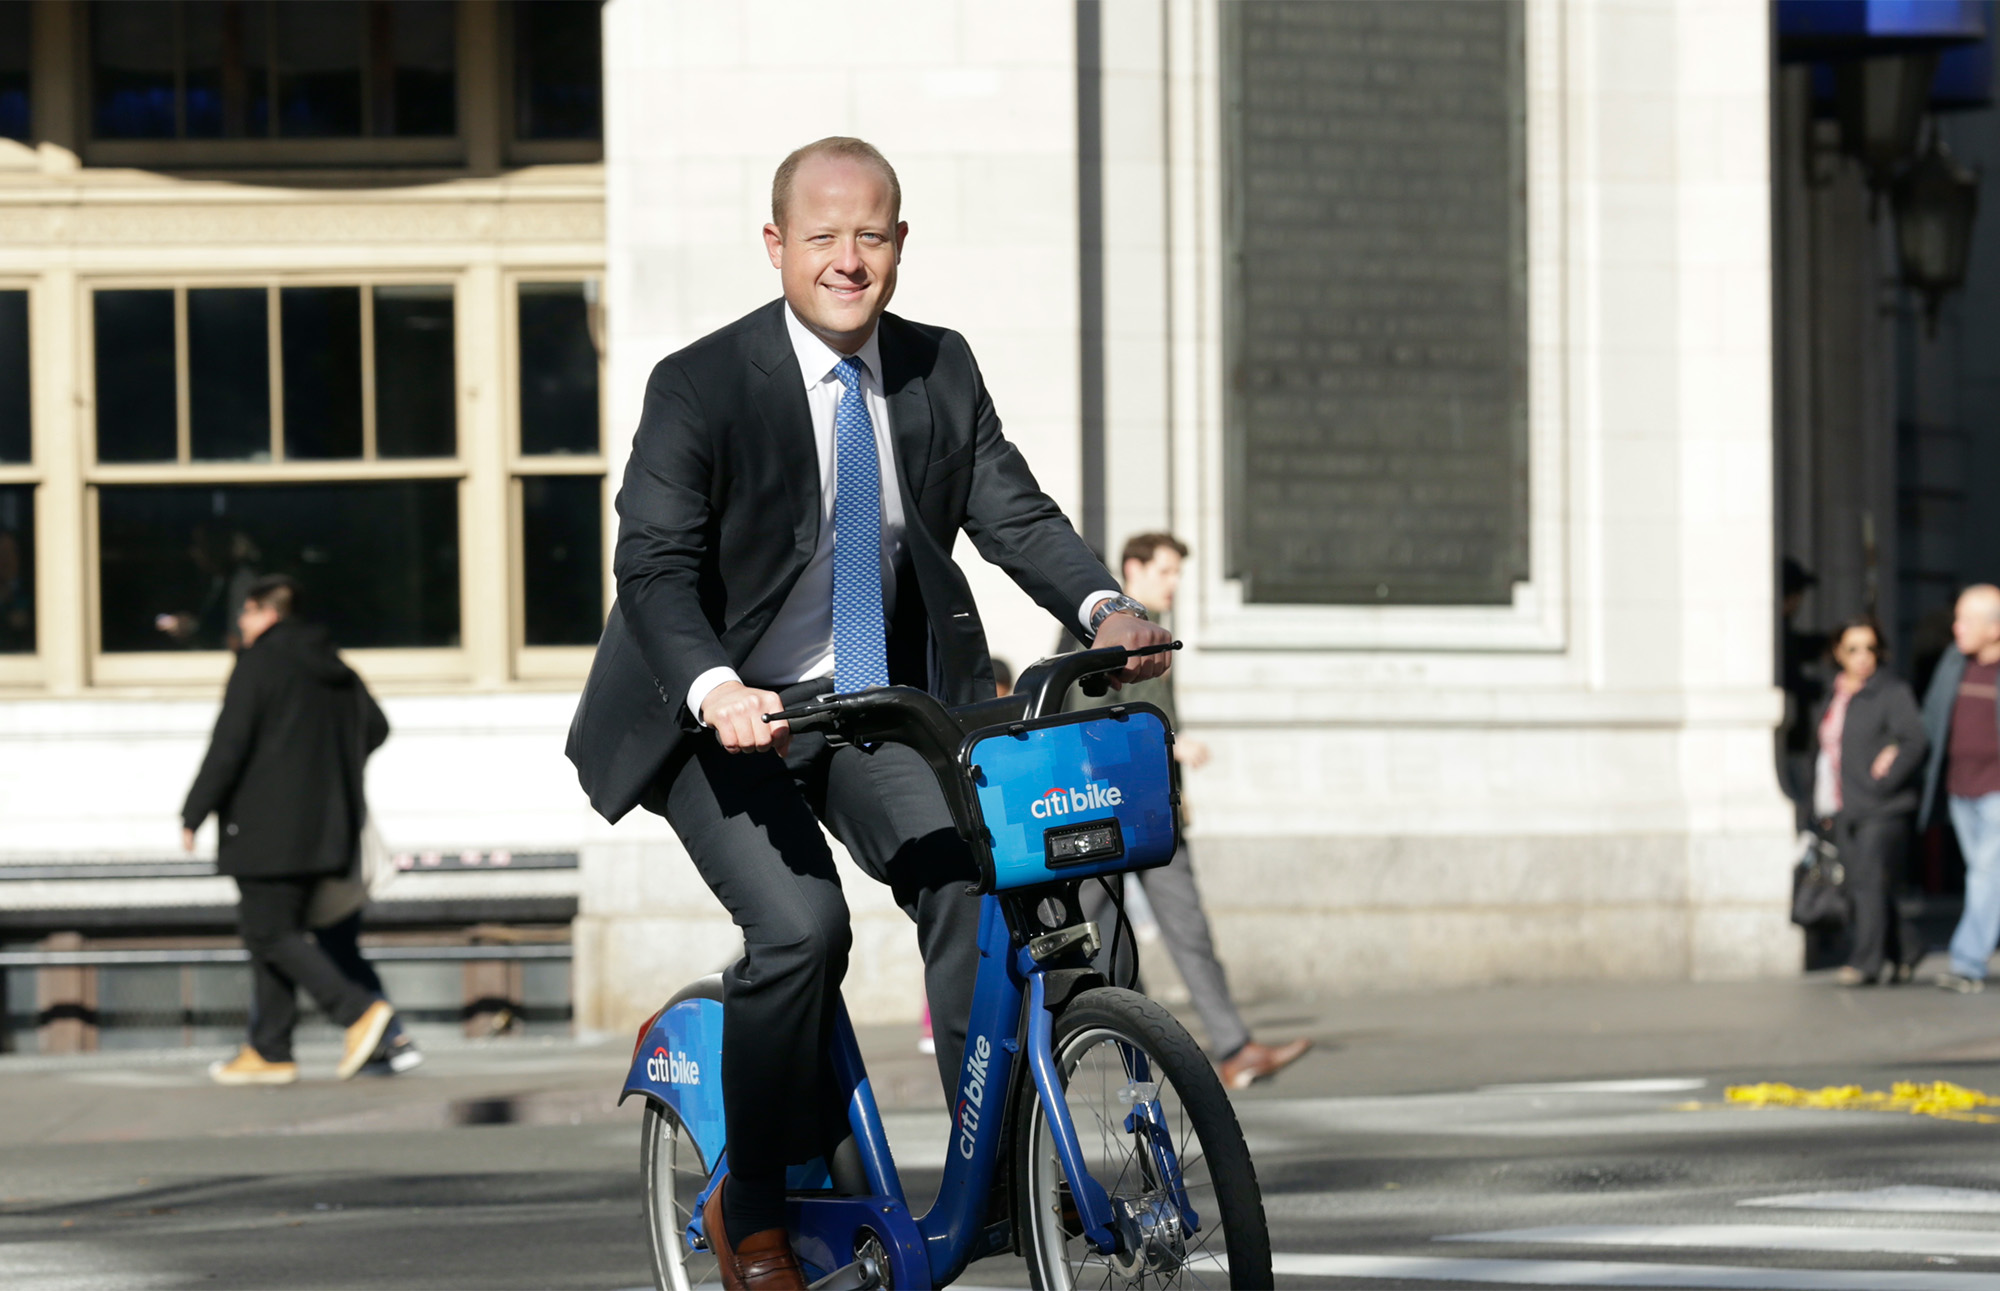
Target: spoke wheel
{"x": 670, "y": 1166}
{"x": 1113, "y": 1047}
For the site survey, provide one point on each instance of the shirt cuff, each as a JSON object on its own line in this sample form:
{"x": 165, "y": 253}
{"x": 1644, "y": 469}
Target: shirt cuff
{"x": 1090, "y": 603}
{"x": 705, "y": 684}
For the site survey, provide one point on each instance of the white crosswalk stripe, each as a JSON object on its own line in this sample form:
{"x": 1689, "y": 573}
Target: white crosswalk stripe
{"x": 1550, "y": 1267}
{"x": 1594, "y": 1273}
{"x": 1905, "y": 1199}
{"x": 1762, "y": 1237}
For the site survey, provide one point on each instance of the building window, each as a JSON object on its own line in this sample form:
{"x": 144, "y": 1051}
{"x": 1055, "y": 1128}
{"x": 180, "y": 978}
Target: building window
{"x": 558, "y": 70}
{"x": 17, "y": 487}
{"x": 17, "y": 569}
{"x": 249, "y": 429}
{"x": 257, "y": 69}
{"x": 16, "y": 37}
{"x": 416, "y": 405}
{"x": 378, "y": 561}
{"x": 559, "y": 398}
{"x": 185, "y": 374}
{"x": 562, "y": 559}
{"x": 560, "y": 489}
{"x": 229, "y": 374}
{"x": 16, "y": 440}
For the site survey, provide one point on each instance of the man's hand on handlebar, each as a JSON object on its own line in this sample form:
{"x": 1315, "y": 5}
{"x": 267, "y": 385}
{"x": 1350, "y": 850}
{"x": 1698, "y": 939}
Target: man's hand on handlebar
{"x": 735, "y": 713}
{"x": 1130, "y": 632}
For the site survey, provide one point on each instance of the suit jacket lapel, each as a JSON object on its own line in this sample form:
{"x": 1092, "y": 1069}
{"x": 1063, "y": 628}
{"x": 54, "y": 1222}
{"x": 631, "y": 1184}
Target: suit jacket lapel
{"x": 909, "y": 413}
{"x": 780, "y": 396}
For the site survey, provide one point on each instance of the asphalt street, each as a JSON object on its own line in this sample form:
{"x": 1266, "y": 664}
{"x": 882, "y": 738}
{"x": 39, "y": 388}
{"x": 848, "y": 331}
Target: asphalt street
{"x": 1519, "y": 1136}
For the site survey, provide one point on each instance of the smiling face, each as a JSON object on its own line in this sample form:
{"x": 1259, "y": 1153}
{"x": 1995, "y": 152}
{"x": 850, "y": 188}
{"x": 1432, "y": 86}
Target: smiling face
{"x": 838, "y": 250}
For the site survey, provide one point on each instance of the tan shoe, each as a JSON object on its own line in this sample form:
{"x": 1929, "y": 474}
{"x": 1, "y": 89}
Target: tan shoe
{"x": 1253, "y": 1062}
{"x": 249, "y": 1068}
{"x": 363, "y": 1038}
{"x": 760, "y": 1262}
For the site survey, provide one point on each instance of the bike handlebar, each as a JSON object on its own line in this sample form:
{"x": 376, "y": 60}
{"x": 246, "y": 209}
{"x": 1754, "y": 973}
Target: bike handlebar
{"x": 1041, "y": 689}
{"x": 904, "y": 715}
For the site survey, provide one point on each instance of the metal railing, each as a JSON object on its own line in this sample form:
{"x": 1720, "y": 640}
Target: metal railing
{"x": 238, "y": 955}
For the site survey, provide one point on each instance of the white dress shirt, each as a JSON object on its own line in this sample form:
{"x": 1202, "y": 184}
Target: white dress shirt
{"x": 799, "y": 643}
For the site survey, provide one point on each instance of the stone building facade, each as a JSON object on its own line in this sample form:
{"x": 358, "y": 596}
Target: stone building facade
{"x": 1513, "y": 722}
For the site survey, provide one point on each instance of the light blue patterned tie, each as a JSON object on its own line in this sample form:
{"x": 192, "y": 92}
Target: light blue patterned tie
{"x": 860, "y": 644}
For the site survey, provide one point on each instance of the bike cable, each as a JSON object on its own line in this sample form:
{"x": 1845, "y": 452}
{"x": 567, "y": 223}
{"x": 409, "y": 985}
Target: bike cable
{"x": 1123, "y": 928}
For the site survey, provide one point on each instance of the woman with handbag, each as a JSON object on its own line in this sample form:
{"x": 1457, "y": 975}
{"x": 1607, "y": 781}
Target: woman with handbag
{"x": 1871, "y": 751}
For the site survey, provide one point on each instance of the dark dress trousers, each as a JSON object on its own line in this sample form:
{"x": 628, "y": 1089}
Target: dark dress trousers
{"x": 283, "y": 777}
{"x": 1872, "y": 830}
{"x": 719, "y": 513}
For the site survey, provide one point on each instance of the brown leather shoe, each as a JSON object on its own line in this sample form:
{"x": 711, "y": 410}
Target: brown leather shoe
{"x": 1255, "y": 1061}
{"x": 760, "y": 1262}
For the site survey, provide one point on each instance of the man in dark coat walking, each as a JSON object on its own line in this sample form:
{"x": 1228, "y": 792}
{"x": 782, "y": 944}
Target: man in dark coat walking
{"x": 283, "y": 777}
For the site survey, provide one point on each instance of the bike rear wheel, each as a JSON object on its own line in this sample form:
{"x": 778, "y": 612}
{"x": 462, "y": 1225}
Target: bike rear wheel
{"x": 1110, "y": 1043}
{"x": 671, "y": 1170}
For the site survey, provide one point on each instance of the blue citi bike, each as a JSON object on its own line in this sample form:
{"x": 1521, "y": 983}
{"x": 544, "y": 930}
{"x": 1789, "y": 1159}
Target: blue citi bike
{"x": 1089, "y": 1134}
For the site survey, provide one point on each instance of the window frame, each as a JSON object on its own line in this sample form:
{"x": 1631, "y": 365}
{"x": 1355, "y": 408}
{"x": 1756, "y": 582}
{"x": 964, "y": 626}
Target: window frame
{"x": 276, "y": 152}
{"x": 198, "y": 667}
{"x": 29, "y": 667}
{"x": 547, "y": 663}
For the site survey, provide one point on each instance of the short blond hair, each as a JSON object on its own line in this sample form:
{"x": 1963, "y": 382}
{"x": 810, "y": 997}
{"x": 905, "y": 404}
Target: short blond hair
{"x": 839, "y": 145}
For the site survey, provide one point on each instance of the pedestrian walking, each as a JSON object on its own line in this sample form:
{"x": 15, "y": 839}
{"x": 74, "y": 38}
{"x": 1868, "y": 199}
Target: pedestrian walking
{"x": 1864, "y": 792}
{"x": 1963, "y": 724}
{"x": 1151, "y": 567}
{"x": 283, "y": 778}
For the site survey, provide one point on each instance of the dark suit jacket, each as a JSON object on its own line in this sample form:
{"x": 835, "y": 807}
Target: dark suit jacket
{"x": 283, "y": 771}
{"x": 720, "y": 512}
{"x": 1881, "y": 713}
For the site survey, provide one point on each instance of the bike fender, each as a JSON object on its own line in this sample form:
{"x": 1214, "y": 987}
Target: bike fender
{"x": 679, "y": 1065}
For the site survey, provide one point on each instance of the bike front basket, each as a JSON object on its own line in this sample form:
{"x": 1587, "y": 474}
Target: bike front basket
{"x": 1073, "y": 796}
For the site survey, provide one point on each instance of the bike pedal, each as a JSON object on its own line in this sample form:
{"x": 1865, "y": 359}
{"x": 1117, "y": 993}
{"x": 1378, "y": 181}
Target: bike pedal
{"x": 862, "y": 1275}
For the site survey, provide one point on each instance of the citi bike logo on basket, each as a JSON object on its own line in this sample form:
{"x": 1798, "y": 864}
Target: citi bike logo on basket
{"x": 672, "y": 1068}
{"x": 1063, "y": 802}
{"x": 973, "y": 1096}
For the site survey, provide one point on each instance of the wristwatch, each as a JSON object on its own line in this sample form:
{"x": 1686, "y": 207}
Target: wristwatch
{"x": 1111, "y": 605}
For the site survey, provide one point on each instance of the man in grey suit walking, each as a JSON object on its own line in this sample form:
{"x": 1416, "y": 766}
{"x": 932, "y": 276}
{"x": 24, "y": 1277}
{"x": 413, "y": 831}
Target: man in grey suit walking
{"x": 1151, "y": 564}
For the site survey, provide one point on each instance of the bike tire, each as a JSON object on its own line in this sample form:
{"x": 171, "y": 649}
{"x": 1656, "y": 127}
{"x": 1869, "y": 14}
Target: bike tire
{"x": 1090, "y": 1039}
{"x": 671, "y": 1173}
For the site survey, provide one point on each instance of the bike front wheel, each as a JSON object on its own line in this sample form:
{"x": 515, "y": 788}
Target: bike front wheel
{"x": 1118, "y": 1055}
{"x": 671, "y": 1169}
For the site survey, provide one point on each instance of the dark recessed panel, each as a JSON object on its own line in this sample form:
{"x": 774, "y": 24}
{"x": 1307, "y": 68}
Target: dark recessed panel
{"x": 1376, "y": 307}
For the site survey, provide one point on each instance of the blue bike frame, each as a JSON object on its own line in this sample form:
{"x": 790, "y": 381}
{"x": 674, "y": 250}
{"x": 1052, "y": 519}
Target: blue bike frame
{"x": 935, "y": 1249}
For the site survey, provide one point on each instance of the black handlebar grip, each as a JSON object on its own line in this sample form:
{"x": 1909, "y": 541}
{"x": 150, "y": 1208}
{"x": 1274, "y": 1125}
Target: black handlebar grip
{"x": 1095, "y": 685}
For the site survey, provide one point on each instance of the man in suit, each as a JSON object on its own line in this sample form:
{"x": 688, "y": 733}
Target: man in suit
{"x": 786, "y": 521}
